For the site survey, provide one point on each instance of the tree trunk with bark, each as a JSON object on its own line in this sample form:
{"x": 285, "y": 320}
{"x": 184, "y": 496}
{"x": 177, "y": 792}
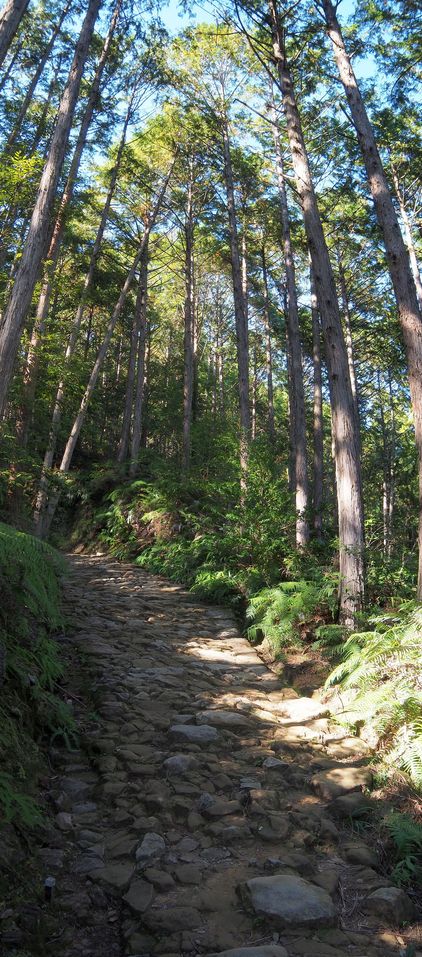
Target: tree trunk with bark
{"x": 408, "y": 236}
{"x": 138, "y": 409}
{"x": 349, "y": 342}
{"x": 123, "y": 450}
{"x": 297, "y": 406}
{"x": 10, "y": 18}
{"x": 240, "y": 311}
{"x": 189, "y": 328}
{"x": 346, "y": 443}
{"x": 37, "y": 236}
{"x": 268, "y": 350}
{"x": 254, "y": 389}
{"x": 318, "y": 433}
{"x": 397, "y": 255}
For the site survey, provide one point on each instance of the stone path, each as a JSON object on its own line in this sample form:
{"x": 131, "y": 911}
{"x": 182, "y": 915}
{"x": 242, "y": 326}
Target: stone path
{"x": 205, "y": 813}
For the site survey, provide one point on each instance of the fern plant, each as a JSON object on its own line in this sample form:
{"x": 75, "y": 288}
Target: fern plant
{"x": 276, "y": 613}
{"x": 406, "y": 837}
{"x": 383, "y": 669}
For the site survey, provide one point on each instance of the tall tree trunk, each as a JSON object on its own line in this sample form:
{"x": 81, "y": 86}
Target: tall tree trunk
{"x": 409, "y": 238}
{"x": 240, "y": 312}
{"x": 189, "y": 331}
{"x": 138, "y": 407}
{"x": 220, "y": 358}
{"x": 123, "y": 450}
{"x": 349, "y": 342}
{"x": 397, "y": 255}
{"x": 386, "y": 488}
{"x": 318, "y": 424}
{"x": 10, "y": 18}
{"x": 388, "y": 458}
{"x": 30, "y": 374}
{"x": 145, "y": 394}
{"x": 37, "y": 237}
{"x": 291, "y": 461}
{"x": 348, "y": 473}
{"x": 254, "y": 388}
{"x": 297, "y": 407}
{"x": 27, "y": 100}
{"x": 268, "y": 349}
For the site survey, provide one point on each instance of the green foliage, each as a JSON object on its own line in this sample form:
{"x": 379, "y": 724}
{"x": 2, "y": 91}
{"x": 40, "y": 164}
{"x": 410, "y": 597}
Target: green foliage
{"x": 382, "y": 669}
{"x": 278, "y": 613}
{"x": 406, "y": 836}
{"x": 17, "y": 806}
{"x": 218, "y": 586}
{"x": 195, "y": 531}
{"x": 31, "y": 705}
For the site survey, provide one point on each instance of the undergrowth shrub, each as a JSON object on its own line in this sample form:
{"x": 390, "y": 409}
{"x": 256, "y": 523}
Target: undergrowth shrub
{"x": 30, "y": 702}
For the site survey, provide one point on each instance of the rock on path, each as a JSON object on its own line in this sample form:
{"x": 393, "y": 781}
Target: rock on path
{"x": 197, "y": 817}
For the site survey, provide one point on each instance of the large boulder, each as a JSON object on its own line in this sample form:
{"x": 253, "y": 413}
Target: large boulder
{"x": 223, "y": 719}
{"x": 195, "y": 734}
{"x": 287, "y": 900}
{"x": 390, "y": 904}
{"x": 341, "y": 780}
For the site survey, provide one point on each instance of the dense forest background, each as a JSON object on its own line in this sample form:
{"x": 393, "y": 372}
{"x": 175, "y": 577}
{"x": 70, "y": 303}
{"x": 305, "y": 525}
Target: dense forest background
{"x": 211, "y": 339}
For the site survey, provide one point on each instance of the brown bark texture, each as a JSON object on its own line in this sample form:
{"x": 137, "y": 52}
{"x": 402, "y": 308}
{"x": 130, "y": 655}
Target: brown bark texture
{"x": 397, "y": 254}
{"x": 10, "y": 18}
{"x": 345, "y": 438}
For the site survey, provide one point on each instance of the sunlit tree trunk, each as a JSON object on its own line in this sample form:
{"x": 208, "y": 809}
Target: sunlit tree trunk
{"x": 349, "y": 342}
{"x": 397, "y": 254}
{"x": 318, "y": 433}
{"x": 297, "y": 406}
{"x": 139, "y": 395}
{"x": 409, "y": 238}
{"x": 145, "y": 394}
{"x": 254, "y": 388}
{"x": 388, "y": 457}
{"x": 268, "y": 350}
{"x": 189, "y": 328}
{"x": 240, "y": 311}
{"x": 37, "y": 237}
{"x": 10, "y": 18}
{"x": 220, "y": 358}
{"x": 346, "y": 443}
{"x": 123, "y": 450}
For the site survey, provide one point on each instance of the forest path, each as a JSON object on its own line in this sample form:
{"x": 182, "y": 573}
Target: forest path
{"x": 192, "y": 821}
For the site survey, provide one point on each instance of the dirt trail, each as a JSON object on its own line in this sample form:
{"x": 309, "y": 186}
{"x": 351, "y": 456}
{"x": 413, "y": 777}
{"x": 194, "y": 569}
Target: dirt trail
{"x": 206, "y": 813}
